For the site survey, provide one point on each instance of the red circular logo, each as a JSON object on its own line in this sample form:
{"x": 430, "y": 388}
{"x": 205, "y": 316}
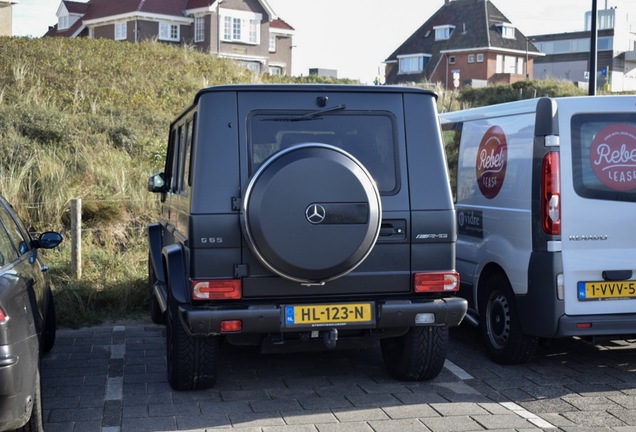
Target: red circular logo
{"x": 613, "y": 156}
{"x": 492, "y": 156}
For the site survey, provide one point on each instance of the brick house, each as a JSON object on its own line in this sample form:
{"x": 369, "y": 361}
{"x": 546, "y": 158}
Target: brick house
{"x": 466, "y": 42}
{"x": 247, "y": 31}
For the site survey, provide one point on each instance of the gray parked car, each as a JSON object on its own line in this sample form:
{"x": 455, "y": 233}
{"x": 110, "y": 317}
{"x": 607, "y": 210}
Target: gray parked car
{"x": 303, "y": 217}
{"x": 27, "y": 321}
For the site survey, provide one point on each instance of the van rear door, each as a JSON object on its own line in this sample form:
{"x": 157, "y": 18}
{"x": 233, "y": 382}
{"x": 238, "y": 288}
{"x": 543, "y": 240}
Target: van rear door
{"x": 598, "y": 208}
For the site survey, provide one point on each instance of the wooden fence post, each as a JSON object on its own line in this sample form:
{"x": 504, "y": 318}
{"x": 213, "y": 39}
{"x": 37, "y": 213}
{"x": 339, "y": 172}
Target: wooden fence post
{"x": 76, "y": 237}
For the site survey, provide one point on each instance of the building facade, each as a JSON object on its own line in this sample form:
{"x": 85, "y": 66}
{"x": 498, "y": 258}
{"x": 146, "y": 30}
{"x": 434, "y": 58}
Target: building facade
{"x": 247, "y": 31}
{"x": 567, "y": 55}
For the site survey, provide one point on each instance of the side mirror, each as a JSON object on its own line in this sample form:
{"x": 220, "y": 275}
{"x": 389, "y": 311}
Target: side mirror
{"x": 49, "y": 240}
{"x": 157, "y": 183}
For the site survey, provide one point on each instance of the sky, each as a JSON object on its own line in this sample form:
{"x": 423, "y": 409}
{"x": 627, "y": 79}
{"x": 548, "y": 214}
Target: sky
{"x": 354, "y": 37}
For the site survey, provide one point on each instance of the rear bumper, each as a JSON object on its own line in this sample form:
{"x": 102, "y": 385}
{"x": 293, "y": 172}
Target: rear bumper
{"x": 265, "y": 319}
{"x": 597, "y": 325}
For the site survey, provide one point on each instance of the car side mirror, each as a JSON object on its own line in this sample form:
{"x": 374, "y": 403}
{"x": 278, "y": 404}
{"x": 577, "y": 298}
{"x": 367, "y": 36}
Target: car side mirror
{"x": 49, "y": 240}
{"x": 157, "y": 183}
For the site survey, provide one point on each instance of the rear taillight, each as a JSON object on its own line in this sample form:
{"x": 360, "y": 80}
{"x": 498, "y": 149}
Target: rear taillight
{"x": 220, "y": 289}
{"x": 551, "y": 194}
{"x": 3, "y": 316}
{"x": 436, "y": 282}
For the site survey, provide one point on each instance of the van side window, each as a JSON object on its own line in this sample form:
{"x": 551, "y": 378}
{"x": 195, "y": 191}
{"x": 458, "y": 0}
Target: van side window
{"x": 604, "y": 156}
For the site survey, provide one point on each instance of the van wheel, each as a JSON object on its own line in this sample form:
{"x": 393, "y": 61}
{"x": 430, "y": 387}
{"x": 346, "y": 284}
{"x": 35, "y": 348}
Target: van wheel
{"x": 416, "y": 356}
{"x": 500, "y": 327}
{"x": 192, "y": 360}
{"x": 156, "y": 315}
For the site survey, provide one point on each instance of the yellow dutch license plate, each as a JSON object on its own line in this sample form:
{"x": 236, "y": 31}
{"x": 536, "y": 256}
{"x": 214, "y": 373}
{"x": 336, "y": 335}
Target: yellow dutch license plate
{"x": 607, "y": 290}
{"x": 329, "y": 314}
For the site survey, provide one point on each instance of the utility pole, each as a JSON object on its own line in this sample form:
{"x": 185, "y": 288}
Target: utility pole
{"x": 593, "y": 40}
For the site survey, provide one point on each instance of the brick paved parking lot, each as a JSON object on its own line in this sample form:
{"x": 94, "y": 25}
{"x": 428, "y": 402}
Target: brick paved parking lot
{"x": 112, "y": 378}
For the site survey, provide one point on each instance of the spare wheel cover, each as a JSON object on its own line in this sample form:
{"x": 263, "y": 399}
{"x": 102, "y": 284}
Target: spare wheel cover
{"x": 312, "y": 213}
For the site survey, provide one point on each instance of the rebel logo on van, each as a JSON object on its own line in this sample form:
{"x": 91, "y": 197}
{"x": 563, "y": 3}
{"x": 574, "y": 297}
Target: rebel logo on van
{"x": 492, "y": 160}
{"x": 613, "y": 156}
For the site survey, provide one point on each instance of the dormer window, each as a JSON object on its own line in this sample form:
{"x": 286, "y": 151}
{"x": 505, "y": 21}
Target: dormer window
{"x": 443, "y": 32}
{"x": 412, "y": 63}
{"x": 507, "y": 30}
{"x": 63, "y": 22}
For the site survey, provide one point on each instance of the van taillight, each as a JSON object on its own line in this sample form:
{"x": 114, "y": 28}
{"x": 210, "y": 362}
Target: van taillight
{"x": 219, "y": 289}
{"x": 3, "y": 316}
{"x": 551, "y": 194}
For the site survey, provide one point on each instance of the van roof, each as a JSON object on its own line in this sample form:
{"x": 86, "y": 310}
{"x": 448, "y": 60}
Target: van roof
{"x": 525, "y": 106}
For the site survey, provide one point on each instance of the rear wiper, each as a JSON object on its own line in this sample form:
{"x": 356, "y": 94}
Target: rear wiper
{"x": 309, "y": 116}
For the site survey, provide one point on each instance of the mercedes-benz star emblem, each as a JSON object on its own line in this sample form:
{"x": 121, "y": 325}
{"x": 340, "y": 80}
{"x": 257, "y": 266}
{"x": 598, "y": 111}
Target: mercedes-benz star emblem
{"x": 315, "y": 213}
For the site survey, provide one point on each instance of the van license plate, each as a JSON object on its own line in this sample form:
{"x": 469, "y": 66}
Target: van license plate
{"x": 606, "y": 290}
{"x": 329, "y": 314}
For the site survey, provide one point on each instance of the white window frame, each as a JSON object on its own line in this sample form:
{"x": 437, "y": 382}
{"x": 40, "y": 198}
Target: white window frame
{"x": 443, "y": 32}
{"x": 471, "y": 58}
{"x": 452, "y": 60}
{"x": 276, "y": 71}
{"x": 169, "y": 31}
{"x": 121, "y": 30}
{"x": 199, "y": 29}
{"x": 63, "y": 22}
{"x": 241, "y": 26}
{"x": 272, "y": 43}
{"x": 507, "y": 31}
{"x": 509, "y": 64}
{"x": 410, "y": 64}
{"x": 499, "y": 68}
{"x": 480, "y": 58}
{"x": 520, "y": 66}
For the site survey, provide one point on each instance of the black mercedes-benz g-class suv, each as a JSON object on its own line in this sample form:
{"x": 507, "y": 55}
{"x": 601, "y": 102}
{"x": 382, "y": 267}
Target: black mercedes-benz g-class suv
{"x": 305, "y": 216}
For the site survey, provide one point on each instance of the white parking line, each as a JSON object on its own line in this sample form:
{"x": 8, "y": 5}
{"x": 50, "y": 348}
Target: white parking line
{"x": 457, "y": 371}
{"x": 532, "y": 418}
{"x": 511, "y": 406}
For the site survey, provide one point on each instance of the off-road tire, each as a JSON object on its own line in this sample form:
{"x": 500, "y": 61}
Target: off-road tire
{"x": 156, "y": 315}
{"x": 192, "y": 360}
{"x": 418, "y": 355}
{"x": 499, "y": 324}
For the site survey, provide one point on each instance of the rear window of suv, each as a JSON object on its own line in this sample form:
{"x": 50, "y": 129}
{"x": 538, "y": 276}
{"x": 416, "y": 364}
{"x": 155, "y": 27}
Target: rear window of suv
{"x": 370, "y": 138}
{"x": 604, "y": 156}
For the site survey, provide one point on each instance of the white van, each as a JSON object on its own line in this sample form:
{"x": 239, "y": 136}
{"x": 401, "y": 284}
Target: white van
{"x": 546, "y": 209}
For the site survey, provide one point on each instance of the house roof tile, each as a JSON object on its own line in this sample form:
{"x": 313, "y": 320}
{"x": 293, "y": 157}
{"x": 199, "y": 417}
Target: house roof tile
{"x": 280, "y": 24}
{"x": 69, "y": 32}
{"x": 75, "y": 7}
{"x": 106, "y": 8}
{"x": 195, "y": 4}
